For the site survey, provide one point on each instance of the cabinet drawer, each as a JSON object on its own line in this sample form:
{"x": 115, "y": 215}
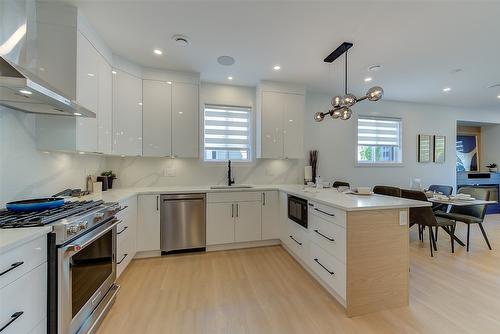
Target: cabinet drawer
{"x": 328, "y": 213}
{"x": 41, "y": 328}
{"x": 234, "y": 196}
{"x": 28, "y": 294}
{"x": 331, "y": 237}
{"x": 296, "y": 239}
{"x": 328, "y": 268}
{"x": 22, "y": 259}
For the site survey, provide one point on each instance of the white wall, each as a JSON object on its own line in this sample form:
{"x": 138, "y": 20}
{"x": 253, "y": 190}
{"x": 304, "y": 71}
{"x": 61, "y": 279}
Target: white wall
{"x": 139, "y": 172}
{"x": 490, "y": 145}
{"x": 26, "y": 172}
{"x": 336, "y": 141}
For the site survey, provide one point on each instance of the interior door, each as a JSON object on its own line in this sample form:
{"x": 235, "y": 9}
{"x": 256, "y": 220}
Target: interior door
{"x": 157, "y": 118}
{"x": 248, "y": 223}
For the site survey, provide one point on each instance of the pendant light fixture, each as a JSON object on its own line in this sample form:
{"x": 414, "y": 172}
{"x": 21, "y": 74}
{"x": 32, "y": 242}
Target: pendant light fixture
{"x": 341, "y": 105}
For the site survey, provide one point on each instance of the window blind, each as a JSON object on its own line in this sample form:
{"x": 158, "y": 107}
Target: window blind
{"x": 227, "y": 132}
{"x": 379, "y": 131}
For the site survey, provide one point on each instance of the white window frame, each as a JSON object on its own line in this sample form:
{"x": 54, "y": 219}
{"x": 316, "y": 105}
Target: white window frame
{"x": 251, "y": 141}
{"x": 358, "y": 163}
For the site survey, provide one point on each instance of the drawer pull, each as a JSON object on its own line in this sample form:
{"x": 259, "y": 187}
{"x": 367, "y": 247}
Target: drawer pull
{"x": 326, "y": 213}
{"x": 126, "y": 227}
{"x": 11, "y": 320}
{"x": 322, "y": 266}
{"x": 123, "y": 258}
{"x": 12, "y": 267}
{"x": 300, "y": 243}
{"x": 324, "y": 236}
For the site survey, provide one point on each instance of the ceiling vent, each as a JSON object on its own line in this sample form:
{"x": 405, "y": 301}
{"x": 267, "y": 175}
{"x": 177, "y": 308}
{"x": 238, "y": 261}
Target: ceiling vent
{"x": 225, "y": 60}
{"x": 181, "y": 40}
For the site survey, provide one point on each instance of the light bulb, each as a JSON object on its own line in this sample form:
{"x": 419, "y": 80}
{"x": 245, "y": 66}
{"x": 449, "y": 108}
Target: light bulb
{"x": 348, "y": 100}
{"x": 345, "y": 114}
{"x": 375, "y": 93}
{"x": 336, "y": 101}
{"x": 335, "y": 113}
{"x": 319, "y": 116}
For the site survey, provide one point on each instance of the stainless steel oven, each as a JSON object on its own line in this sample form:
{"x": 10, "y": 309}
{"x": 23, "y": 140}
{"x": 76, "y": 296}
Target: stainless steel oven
{"x": 86, "y": 276}
{"x": 297, "y": 210}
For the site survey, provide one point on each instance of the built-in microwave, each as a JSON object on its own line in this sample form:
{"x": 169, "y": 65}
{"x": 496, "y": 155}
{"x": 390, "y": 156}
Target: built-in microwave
{"x": 297, "y": 210}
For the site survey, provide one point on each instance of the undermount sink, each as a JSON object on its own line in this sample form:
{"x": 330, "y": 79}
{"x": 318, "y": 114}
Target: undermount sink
{"x": 237, "y": 186}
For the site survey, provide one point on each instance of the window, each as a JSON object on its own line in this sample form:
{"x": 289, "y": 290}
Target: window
{"x": 226, "y": 133}
{"x": 379, "y": 140}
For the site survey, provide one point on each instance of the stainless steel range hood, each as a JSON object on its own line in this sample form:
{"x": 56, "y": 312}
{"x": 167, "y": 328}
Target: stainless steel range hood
{"x": 23, "y": 91}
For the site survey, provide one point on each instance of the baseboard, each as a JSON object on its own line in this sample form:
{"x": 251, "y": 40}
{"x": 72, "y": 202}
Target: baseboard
{"x": 146, "y": 254}
{"x": 239, "y": 245}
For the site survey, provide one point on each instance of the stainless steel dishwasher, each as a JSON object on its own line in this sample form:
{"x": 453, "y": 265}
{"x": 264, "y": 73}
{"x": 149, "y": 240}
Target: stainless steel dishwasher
{"x": 182, "y": 223}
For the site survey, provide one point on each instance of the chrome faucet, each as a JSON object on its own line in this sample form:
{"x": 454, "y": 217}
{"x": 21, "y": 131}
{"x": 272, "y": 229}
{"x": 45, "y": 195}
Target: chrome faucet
{"x": 230, "y": 181}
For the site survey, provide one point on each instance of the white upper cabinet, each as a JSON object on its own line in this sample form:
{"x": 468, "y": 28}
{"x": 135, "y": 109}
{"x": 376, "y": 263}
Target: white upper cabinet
{"x": 280, "y": 121}
{"x": 185, "y": 120}
{"x": 105, "y": 114}
{"x": 157, "y": 118}
{"x": 127, "y": 114}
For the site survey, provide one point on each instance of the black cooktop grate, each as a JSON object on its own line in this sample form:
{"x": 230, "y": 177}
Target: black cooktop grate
{"x": 10, "y": 219}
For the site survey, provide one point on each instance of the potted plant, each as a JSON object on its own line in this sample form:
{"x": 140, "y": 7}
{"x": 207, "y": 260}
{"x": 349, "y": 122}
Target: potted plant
{"x": 111, "y": 176}
{"x": 492, "y": 167}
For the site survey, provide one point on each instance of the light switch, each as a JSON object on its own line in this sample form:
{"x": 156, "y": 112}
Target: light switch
{"x": 403, "y": 217}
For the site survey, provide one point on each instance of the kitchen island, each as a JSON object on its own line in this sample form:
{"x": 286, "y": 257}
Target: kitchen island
{"x": 356, "y": 247}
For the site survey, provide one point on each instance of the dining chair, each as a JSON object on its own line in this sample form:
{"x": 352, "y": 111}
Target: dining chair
{"x": 443, "y": 190}
{"x": 424, "y": 216}
{"x": 387, "y": 190}
{"x": 337, "y": 184}
{"x": 469, "y": 214}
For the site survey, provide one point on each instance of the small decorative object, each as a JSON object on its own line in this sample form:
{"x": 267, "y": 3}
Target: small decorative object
{"x": 439, "y": 149}
{"x": 467, "y": 153}
{"x": 111, "y": 176}
{"x": 104, "y": 181}
{"x": 313, "y": 162}
{"x": 424, "y": 148}
{"x": 307, "y": 174}
{"x": 492, "y": 168}
{"x": 341, "y": 105}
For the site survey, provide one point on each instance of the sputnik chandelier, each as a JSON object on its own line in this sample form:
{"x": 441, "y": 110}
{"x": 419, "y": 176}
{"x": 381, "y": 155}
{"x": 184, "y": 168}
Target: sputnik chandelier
{"x": 341, "y": 105}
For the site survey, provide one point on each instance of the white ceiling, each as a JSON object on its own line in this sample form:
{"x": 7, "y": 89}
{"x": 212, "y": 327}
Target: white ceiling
{"x": 418, "y": 43}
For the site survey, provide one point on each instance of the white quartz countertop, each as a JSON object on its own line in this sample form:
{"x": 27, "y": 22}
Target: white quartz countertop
{"x": 15, "y": 237}
{"x": 328, "y": 196}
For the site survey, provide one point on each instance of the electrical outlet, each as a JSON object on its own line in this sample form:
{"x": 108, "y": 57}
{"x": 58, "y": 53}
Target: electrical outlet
{"x": 169, "y": 171}
{"x": 403, "y": 218}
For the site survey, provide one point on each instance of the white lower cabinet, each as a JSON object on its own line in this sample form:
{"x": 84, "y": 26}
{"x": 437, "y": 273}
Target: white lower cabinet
{"x": 148, "y": 223}
{"x": 23, "y": 296}
{"x": 126, "y": 234}
{"x": 270, "y": 215}
{"x": 233, "y": 217}
{"x": 328, "y": 268}
{"x": 296, "y": 239}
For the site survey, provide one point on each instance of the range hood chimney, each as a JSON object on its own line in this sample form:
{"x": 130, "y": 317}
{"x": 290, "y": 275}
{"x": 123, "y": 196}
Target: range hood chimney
{"x": 23, "y": 91}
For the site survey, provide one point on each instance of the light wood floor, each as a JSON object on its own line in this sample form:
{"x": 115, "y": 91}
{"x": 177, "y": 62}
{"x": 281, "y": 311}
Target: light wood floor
{"x": 264, "y": 290}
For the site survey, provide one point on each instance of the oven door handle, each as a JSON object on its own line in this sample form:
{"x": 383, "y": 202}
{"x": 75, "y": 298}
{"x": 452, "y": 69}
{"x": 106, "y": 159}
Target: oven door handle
{"x": 78, "y": 247}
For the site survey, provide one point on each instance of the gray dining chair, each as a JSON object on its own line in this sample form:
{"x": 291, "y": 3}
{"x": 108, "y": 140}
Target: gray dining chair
{"x": 337, "y": 184}
{"x": 443, "y": 190}
{"x": 387, "y": 190}
{"x": 470, "y": 214}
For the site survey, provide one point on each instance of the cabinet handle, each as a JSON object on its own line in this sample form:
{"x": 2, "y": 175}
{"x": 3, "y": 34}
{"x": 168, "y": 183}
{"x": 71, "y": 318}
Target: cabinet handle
{"x": 126, "y": 227}
{"x": 326, "y": 213}
{"x": 232, "y": 210}
{"x": 12, "y": 267}
{"x": 157, "y": 203}
{"x": 324, "y": 236}
{"x": 11, "y": 320}
{"x": 322, "y": 266}
{"x": 237, "y": 210}
{"x": 123, "y": 258}
{"x": 263, "y": 199}
{"x": 291, "y": 237}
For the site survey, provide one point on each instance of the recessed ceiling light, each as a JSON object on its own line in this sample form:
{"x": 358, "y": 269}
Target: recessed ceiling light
{"x": 277, "y": 67}
{"x": 181, "y": 112}
{"x": 140, "y": 103}
{"x": 114, "y": 72}
{"x": 225, "y": 60}
{"x": 446, "y": 89}
{"x": 91, "y": 74}
{"x": 181, "y": 40}
{"x": 368, "y": 79}
{"x": 169, "y": 82}
{"x": 24, "y": 91}
{"x": 77, "y": 114}
{"x": 157, "y": 51}
{"x": 374, "y": 68}
{"x": 498, "y": 96}
{"x": 229, "y": 78}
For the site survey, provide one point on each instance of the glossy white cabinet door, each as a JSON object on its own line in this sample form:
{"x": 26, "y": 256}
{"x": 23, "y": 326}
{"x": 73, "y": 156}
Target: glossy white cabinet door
{"x": 248, "y": 223}
{"x": 272, "y": 125}
{"x": 220, "y": 223}
{"x": 185, "y": 120}
{"x": 148, "y": 223}
{"x": 270, "y": 215}
{"x": 157, "y": 118}
{"x": 105, "y": 114}
{"x": 293, "y": 128}
{"x": 87, "y": 93}
{"x": 127, "y": 114}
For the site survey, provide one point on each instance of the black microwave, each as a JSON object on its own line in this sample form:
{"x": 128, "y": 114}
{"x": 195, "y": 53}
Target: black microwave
{"x": 297, "y": 210}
